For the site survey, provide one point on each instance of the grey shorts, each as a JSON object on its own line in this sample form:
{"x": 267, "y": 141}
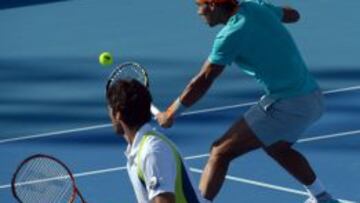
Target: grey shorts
{"x": 284, "y": 119}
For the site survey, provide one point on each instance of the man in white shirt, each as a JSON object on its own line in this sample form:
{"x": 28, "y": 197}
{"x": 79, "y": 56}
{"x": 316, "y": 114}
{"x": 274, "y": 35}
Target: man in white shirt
{"x": 156, "y": 169}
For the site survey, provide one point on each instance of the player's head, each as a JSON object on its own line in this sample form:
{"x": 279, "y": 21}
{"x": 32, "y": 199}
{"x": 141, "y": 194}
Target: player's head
{"x": 216, "y": 12}
{"x": 129, "y": 103}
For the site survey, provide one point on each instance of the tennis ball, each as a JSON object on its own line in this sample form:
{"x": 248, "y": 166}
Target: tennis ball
{"x": 105, "y": 59}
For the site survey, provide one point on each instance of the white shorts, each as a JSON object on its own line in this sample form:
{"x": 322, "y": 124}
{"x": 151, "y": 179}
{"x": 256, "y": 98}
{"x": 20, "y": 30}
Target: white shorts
{"x": 284, "y": 119}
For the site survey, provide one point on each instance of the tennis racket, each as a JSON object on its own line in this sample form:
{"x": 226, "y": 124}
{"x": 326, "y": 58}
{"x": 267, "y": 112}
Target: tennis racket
{"x": 44, "y": 179}
{"x": 128, "y": 71}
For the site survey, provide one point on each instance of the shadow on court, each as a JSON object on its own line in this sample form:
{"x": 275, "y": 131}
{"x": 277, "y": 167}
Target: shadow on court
{"x": 21, "y": 3}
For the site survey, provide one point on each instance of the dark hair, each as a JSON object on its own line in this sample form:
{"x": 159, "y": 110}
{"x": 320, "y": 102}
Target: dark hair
{"x": 132, "y": 100}
{"x": 229, "y": 6}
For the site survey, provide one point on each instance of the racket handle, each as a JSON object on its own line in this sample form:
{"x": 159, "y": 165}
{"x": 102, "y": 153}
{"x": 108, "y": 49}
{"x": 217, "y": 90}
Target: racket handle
{"x": 154, "y": 110}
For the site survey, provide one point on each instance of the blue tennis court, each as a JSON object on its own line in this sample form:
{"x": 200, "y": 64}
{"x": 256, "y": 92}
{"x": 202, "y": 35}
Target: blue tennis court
{"x": 52, "y": 93}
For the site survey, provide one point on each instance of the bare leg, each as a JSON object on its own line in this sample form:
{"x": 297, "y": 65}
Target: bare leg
{"x": 238, "y": 140}
{"x": 291, "y": 160}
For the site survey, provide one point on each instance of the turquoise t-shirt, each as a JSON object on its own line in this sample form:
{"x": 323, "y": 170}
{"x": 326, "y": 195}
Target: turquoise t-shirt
{"x": 256, "y": 40}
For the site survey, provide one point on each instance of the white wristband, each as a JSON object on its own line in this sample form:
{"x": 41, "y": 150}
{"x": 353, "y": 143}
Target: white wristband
{"x": 178, "y": 107}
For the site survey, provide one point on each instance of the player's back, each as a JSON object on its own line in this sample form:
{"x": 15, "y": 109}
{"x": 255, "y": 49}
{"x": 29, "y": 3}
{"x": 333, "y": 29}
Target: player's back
{"x": 164, "y": 169}
{"x": 268, "y": 51}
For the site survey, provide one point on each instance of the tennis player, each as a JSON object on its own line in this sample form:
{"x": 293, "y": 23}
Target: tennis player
{"x": 254, "y": 38}
{"x": 155, "y": 167}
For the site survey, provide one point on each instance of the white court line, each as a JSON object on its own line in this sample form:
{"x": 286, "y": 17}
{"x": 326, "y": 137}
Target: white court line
{"x": 221, "y": 108}
{"x": 199, "y": 156}
{"x": 108, "y": 170}
{"x": 94, "y": 127}
{"x": 345, "y": 89}
{"x": 89, "y": 173}
{"x": 196, "y": 157}
{"x": 322, "y": 137}
{"x": 19, "y": 138}
{"x": 264, "y": 185}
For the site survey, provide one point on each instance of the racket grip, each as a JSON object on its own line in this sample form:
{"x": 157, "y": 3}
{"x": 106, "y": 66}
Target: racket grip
{"x": 154, "y": 110}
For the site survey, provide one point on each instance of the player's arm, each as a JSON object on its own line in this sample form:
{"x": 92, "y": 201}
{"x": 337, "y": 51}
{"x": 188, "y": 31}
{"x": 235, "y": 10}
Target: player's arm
{"x": 286, "y": 14}
{"x": 290, "y": 15}
{"x": 197, "y": 87}
{"x": 164, "y": 198}
{"x": 200, "y": 84}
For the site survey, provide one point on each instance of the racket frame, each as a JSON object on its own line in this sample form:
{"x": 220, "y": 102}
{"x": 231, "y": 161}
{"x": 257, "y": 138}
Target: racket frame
{"x": 154, "y": 110}
{"x": 115, "y": 72}
{"x": 75, "y": 190}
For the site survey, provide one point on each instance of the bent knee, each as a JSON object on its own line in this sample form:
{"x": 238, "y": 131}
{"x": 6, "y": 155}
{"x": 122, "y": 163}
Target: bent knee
{"x": 221, "y": 154}
{"x": 278, "y": 149}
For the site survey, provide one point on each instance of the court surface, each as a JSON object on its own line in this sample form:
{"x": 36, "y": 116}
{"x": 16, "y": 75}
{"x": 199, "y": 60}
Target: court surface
{"x": 52, "y": 93}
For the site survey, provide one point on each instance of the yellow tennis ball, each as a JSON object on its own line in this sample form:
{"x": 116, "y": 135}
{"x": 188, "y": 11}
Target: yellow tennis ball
{"x": 105, "y": 59}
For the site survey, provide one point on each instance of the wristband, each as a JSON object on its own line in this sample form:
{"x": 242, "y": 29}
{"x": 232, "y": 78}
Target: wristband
{"x": 176, "y": 108}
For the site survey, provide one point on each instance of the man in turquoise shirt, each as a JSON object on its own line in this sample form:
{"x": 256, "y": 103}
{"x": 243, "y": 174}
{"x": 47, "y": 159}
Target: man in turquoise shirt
{"x": 264, "y": 50}
{"x": 255, "y": 39}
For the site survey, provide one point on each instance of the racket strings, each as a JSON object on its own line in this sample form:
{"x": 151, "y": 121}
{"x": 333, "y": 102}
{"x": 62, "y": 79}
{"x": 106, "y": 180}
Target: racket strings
{"x": 128, "y": 71}
{"x": 27, "y": 179}
{"x": 64, "y": 187}
{"x": 43, "y": 180}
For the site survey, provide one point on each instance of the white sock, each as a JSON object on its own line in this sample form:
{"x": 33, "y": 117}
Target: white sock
{"x": 316, "y": 188}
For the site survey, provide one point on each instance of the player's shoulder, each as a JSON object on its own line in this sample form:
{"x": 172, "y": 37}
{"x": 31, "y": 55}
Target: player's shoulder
{"x": 153, "y": 139}
{"x": 233, "y": 27}
{"x": 156, "y": 143}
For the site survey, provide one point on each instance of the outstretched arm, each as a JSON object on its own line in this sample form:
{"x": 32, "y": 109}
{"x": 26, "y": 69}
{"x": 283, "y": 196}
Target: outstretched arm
{"x": 197, "y": 87}
{"x": 290, "y": 15}
{"x": 200, "y": 84}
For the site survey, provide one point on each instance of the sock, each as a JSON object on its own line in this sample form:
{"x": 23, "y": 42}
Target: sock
{"x": 316, "y": 188}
